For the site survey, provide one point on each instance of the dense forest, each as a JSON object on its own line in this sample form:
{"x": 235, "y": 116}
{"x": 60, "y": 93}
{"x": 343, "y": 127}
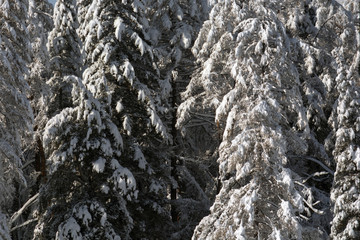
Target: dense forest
{"x": 179, "y": 119}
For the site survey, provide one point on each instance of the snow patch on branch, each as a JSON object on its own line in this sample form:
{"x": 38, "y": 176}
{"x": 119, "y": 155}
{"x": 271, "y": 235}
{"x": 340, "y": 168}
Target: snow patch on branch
{"x": 99, "y": 165}
{"x": 119, "y": 27}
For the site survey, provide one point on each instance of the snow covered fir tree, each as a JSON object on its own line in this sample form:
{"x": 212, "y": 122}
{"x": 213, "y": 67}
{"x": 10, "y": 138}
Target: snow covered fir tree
{"x": 179, "y": 119}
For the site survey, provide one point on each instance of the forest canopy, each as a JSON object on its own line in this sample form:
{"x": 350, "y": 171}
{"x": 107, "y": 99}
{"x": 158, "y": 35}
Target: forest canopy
{"x": 177, "y": 119}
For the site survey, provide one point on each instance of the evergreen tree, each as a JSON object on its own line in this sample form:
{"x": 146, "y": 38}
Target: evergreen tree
{"x": 39, "y": 23}
{"x": 65, "y": 56}
{"x": 272, "y": 94}
{"x": 345, "y": 135}
{"x": 15, "y": 112}
{"x": 267, "y": 78}
{"x": 345, "y": 224}
{"x": 250, "y": 91}
{"x": 86, "y": 188}
{"x": 110, "y": 31}
{"x": 116, "y": 46}
{"x": 121, "y": 74}
{"x": 173, "y": 28}
{"x": 354, "y": 8}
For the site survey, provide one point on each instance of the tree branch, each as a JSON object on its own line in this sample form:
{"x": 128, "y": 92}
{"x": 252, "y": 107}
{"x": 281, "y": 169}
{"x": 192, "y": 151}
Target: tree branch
{"x": 17, "y": 214}
{"x": 322, "y": 27}
{"x": 315, "y": 161}
{"x": 321, "y": 164}
{"x": 24, "y": 224}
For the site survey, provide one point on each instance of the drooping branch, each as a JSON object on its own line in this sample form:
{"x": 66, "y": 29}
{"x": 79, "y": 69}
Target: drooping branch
{"x": 17, "y": 214}
{"x": 24, "y": 224}
{"x": 316, "y": 161}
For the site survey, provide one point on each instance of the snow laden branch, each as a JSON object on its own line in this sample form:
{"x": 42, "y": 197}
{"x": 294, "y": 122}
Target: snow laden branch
{"x": 17, "y": 214}
{"x": 24, "y": 224}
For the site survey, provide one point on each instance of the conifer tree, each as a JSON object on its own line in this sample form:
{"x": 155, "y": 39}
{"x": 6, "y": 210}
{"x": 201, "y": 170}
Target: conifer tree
{"x": 345, "y": 224}
{"x": 272, "y": 94}
{"x": 354, "y": 8}
{"x": 116, "y": 45}
{"x": 115, "y": 49}
{"x": 15, "y": 112}
{"x": 121, "y": 73}
{"x": 65, "y": 57}
{"x": 345, "y": 135}
{"x": 173, "y": 28}
{"x": 263, "y": 136}
{"x": 85, "y": 191}
{"x": 39, "y": 22}
{"x": 250, "y": 107}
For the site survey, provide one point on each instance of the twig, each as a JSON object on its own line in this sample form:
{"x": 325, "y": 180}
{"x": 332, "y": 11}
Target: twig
{"x": 27, "y": 164}
{"x": 314, "y": 209}
{"x": 203, "y": 115}
{"x": 194, "y": 125}
{"x": 306, "y": 218}
{"x": 24, "y": 224}
{"x": 322, "y": 27}
{"x": 316, "y": 174}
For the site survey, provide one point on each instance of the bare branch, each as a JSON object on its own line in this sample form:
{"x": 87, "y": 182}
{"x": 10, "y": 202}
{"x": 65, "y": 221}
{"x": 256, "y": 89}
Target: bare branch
{"x": 321, "y": 164}
{"x": 314, "y": 209}
{"x": 316, "y": 174}
{"x": 203, "y": 115}
{"x": 315, "y": 161}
